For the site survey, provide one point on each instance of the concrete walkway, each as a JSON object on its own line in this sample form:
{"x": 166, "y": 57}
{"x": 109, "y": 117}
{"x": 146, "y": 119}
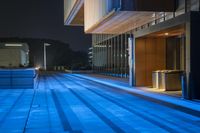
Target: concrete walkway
{"x": 125, "y": 81}
{"x": 176, "y": 102}
{"x": 67, "y": 103}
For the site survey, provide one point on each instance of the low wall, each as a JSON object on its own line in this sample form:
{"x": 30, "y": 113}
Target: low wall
{"x": 18, "y": 78}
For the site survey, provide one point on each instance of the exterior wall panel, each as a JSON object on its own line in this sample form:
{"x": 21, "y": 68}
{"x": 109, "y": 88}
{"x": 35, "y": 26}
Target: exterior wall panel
{"x": 195, "y": 5}
{"x": 150, "y": 56}
{"x": 95, "y": 10}
{"x": 99, "y": 14}
{"x": 140, "y": 62}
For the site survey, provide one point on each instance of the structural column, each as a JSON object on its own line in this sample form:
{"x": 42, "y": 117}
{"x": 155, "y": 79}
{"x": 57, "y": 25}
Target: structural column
{"x": 192, "y": 56}
{"x": 117, "y": 55}
{"x": 114, "y": 54}
{"x": 131, "y": 44}
{"x": 122, "y": 56}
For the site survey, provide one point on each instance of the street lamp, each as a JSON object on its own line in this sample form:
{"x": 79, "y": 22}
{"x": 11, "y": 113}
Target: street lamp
{"x": 45, "y": 55}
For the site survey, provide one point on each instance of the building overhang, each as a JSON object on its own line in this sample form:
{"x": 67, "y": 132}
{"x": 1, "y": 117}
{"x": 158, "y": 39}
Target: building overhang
{"x": 175, "y": 22}
{"x": 177, "y": 31}
{"x": 74, "y": 16}
{"x": 129, "y": 15}
{"x": 120, "y": 22}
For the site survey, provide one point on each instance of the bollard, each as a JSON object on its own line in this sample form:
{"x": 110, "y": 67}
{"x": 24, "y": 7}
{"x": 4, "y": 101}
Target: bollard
{"x": 184, "y": 86}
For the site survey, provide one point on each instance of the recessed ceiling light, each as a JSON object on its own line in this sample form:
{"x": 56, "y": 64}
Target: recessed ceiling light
{"x": 153, "y": 15}
{"x": 166, "y": 34}
{"x": 13, "y": 45}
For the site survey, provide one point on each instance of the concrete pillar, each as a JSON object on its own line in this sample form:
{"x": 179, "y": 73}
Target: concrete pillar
{"x": 114, "y": 50}
{"x": 186, "y": 91}
{"x": 192, "y": 56}
{"x": 122, "y": 56}
{"x": 126, "y": 55}
{"x": 131, "y": 45}
{"x": 111, "y": 61}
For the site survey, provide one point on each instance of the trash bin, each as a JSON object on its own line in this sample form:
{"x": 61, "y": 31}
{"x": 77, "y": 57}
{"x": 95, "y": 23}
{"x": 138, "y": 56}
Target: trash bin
{"x": 170, "y": 80}
{"x": 161, "y": 79}
{"x": 155, "y": 77}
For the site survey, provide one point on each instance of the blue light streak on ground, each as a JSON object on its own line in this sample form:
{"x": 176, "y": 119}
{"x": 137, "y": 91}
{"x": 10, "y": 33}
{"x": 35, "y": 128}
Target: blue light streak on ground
{"x": 66, "y": 103}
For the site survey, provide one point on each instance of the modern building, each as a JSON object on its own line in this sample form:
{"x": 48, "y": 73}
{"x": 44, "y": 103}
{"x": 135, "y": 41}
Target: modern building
{"x": 14, "y": 55}
{"x": 134, "y": 38}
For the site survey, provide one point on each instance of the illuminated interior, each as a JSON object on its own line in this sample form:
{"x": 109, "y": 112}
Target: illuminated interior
{"x": 164, "y": 50}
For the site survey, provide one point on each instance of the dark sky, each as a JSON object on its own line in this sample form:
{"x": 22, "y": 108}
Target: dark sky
{"x": 39, "y": 19}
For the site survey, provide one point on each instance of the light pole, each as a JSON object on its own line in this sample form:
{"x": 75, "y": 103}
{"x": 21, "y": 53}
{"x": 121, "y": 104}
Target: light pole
{"x": 45, "y": 55}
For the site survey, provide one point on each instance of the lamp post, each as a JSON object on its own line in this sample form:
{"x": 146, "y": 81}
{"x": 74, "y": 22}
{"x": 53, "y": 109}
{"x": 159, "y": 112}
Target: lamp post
{"x": 45, "y": 55}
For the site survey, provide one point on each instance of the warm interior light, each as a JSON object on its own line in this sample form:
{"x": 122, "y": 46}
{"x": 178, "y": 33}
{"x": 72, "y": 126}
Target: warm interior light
{"x": 37, "y": 68}
{"x": 166, "y": 34}
{"x": 13, "y": 45}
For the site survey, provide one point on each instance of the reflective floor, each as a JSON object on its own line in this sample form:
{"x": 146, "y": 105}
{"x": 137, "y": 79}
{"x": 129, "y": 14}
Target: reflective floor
{"x": 66, "y": 103}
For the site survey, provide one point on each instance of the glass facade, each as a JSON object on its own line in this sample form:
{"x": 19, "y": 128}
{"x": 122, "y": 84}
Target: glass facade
{"x": 164, "y": 39}
{"x": 110, "y": 54}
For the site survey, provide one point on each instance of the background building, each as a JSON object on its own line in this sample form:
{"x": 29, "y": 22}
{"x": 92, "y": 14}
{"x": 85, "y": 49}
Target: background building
{"x": 58, "y": 54}
{"x": 14, "y": 55}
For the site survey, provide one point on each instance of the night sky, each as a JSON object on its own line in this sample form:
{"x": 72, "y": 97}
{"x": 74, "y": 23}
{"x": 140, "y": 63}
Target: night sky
{"x": 39, "y": 19}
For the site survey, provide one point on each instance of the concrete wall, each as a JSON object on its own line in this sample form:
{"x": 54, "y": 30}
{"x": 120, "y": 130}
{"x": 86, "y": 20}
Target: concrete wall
{"x": 17, "y": 78}
{"x": 195, "y": 4}
{"x": 192, "y": 5}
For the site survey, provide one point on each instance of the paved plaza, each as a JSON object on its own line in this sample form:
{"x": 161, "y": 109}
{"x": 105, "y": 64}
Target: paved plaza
{"x": 71, "y": 104}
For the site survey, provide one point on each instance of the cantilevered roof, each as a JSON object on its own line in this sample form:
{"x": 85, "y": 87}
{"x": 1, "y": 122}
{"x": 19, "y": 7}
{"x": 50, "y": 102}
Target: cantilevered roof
{"x": 104, "y": 17}
{"x": 74, "y": 12}
{"x": 114, "y": 16}
{"x": 120, "y": 22}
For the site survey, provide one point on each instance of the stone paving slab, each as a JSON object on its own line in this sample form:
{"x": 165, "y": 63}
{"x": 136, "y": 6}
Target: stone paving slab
{"x": 70, "y": 104}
